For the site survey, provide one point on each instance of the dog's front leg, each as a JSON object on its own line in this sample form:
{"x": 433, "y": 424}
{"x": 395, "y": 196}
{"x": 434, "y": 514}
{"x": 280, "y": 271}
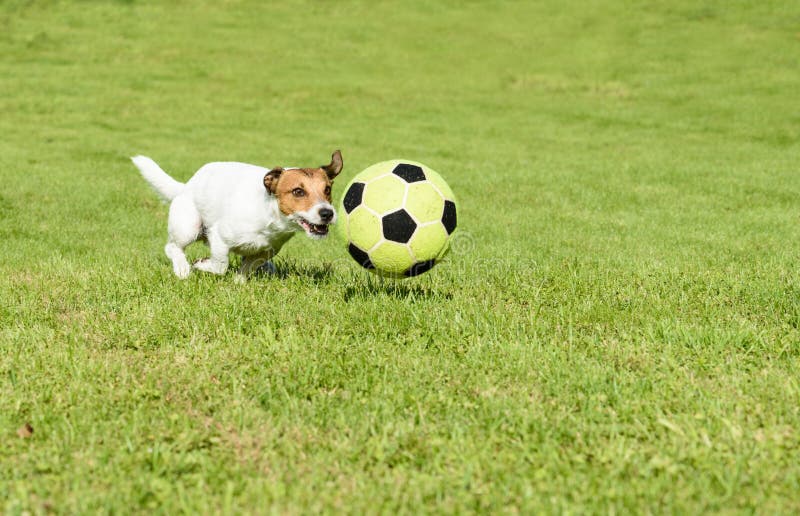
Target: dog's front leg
{"x": 217, "y": 263}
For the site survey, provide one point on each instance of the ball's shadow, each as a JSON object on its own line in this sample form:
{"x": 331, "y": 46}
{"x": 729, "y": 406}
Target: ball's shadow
{"x": 371, "y": 288}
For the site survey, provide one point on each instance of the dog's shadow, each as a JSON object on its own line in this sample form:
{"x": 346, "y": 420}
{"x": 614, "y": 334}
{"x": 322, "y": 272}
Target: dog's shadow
{"x": 313, "y": 272}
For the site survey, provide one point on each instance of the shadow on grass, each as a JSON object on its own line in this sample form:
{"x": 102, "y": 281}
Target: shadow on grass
{"x": 361, "y": 286}
{"x": 389, "y": 288}
{"x": 314, "y": 272}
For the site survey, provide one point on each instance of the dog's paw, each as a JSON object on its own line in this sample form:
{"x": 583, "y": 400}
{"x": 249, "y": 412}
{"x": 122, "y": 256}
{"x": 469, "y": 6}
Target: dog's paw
{"x": 209, "y": 265}
{"x": 204, "y": 265}
{"x": 182, "y": 270}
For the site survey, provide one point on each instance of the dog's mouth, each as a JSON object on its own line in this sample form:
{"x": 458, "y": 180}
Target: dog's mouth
{"x": 313, "y": 230}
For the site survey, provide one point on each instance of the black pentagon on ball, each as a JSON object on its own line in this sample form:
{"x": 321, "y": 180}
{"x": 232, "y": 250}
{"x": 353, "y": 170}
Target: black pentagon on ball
{"x": 360, "y": 256}
{"x": 353, "y": 197}
{"x": 449, "y": 216}
{"x": 420, "y": 267}
{"x": 409, "y": 173}
{"x": 398, "y": 226}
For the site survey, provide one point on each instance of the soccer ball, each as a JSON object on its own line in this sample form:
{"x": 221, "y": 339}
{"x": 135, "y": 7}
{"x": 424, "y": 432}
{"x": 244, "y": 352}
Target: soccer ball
{"x": 397, "y": 218}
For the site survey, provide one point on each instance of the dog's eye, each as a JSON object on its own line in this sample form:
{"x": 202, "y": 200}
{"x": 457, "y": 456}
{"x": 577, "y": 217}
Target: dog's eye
{"x": 298, "y": 192}
{"x": 327, "y": 190}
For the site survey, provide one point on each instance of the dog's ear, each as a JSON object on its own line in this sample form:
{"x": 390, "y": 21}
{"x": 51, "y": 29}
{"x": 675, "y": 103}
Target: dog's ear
{"x": 335, "y": 167}
{"x": 271, "y": 179}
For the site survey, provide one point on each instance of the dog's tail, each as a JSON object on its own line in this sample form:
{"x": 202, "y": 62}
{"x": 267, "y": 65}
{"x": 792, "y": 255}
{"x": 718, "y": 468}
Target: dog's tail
{"x": 161, "y": 182}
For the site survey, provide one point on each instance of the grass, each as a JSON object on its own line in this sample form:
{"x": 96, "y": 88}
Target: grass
{"x": 616, "y": 330}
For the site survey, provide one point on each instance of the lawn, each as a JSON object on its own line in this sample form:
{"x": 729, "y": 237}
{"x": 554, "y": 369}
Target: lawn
{"x": 615, "y": 331}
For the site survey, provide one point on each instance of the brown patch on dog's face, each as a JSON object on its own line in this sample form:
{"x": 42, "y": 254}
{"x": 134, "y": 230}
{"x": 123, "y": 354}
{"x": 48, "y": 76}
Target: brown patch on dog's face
{"x": 301, "y": 189}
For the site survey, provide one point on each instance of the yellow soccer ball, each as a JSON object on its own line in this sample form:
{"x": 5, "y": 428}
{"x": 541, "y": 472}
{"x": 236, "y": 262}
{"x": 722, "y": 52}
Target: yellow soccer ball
{"x": 397, "y": 217}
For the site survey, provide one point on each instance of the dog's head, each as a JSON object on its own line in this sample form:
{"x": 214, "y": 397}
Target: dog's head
{"x": 304, "y": 195}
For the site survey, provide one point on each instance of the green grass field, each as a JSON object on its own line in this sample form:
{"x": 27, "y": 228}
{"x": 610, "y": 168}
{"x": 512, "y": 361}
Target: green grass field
{"x": 615, "y": 331}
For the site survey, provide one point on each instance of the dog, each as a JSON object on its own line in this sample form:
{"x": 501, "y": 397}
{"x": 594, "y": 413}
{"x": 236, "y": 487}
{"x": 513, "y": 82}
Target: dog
{"x": 242, "y": 208}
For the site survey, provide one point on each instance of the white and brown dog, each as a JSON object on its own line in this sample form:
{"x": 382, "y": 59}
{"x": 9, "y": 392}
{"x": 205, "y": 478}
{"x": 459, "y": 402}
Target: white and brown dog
{"x": 243, "y": 208}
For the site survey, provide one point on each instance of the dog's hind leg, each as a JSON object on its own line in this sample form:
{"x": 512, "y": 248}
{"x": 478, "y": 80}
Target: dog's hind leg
{"x": 218, "y": 262}
{"x": 184, "y": 227}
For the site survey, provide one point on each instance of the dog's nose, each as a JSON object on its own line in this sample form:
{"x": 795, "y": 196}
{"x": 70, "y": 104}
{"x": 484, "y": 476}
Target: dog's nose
{"x": 326, "y": 214}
